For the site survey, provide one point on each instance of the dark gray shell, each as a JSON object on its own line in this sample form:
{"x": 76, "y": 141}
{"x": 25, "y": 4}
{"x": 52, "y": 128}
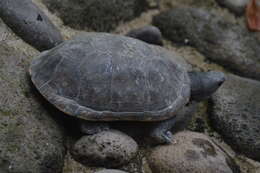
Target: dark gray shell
{"x": 105, "y": 77}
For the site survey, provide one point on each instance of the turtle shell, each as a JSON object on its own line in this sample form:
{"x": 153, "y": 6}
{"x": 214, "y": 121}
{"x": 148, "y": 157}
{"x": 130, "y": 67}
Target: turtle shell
{"x": 106, "y": 77}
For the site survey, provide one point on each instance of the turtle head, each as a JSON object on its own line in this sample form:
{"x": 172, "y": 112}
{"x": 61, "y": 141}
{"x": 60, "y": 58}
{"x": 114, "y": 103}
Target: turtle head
{"x": 204, "y": 84}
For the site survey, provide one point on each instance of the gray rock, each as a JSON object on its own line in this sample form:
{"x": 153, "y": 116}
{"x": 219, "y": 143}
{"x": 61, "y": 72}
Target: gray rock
{"x": 111, "y": 171}
{"x": 31, "y": 141}
{"x": 219, "y": 40}
{"x": 235, "y": 6}
{"x": 148, "y": 34}
{"x": 236, "y": 114}
{"x": 108, "y": 148}
{"x": 98, "y": 15}
{"x": 30, "y": 23}
{"x": 193, "y": 152}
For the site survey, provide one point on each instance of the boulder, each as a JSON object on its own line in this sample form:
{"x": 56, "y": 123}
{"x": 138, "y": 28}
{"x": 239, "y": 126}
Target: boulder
{"x": 192, "y": 152}
{"x": 221, "y": 41}
{"x": 31, "y": 140}
{"x": 30, "y": 23}
{"x": 235, "y": 114}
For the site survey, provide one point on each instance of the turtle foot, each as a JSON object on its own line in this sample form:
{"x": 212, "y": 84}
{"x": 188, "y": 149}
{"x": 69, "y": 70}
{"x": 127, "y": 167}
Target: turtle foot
{"x": 91, "y": 128}
{"x": 162, "y": 137}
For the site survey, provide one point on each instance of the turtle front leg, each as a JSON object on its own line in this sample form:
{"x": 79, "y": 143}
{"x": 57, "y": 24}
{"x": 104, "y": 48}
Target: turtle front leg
{"x": 161, "y": 133}
{"x": 91, "y": 128}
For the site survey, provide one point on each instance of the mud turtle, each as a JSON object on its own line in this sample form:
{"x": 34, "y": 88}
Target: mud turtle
{"x": 106, "y": 77}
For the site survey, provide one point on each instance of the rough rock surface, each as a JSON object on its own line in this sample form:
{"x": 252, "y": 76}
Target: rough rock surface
{"x": 30, "y": 23}
{"x": 108, "y": 148}
{"x": 236, "y": 114}
{"x": 235, "y": 6}
{"x": 219, "y": 40}
{"x": 31, "y": 141}
{"x": 193, "y": 152}
{"x": 111, "y": 171}
{"x": 98, "y": 15}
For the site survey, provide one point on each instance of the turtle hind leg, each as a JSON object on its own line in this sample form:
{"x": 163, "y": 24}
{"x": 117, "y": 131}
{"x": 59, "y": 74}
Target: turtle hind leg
{"x": 90, "y": 128}
{"x": 160, "y": 132}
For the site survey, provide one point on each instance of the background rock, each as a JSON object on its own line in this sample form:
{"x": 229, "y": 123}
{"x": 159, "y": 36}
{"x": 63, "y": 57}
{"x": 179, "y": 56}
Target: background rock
{"x": 149, "y": 34}
{"x": 235, "y": 6}
{"x": 29, "y": 22}
{"x": 108, "y": 148}
{"x": 236, "y": 114}
{"x": 219, "y": 40}
{"x": 193, "y": 152}
{"x": 98, "y": 15}
{"x": 31, "y": 141}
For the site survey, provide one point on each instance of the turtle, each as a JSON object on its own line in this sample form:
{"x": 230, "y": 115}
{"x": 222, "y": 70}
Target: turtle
{"x": 108, "y": 77}
{"x": 102, "y": 77}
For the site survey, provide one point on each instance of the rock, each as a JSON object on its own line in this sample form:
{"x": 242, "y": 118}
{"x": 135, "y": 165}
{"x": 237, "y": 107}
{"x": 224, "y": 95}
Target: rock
{"x": 235, "y": 6}
{"x": 108, "y": 148}
{"x": 219, "y": 40}
{"x": 98, "y": 15}
{"x": 148, "y": 34}
{"x": 30, "y": 23}
{"x": 236, "y": 114}
{"x": 31, "y": 141}
{"x": 193, "y": 152}
{"x": 111, "y": 171}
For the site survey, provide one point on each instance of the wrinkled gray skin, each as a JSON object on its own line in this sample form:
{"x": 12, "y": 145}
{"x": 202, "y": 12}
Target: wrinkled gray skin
{"x": 125, "y": 95}
{"x": 203, "y": 85}
{"x": 149, "y": 34}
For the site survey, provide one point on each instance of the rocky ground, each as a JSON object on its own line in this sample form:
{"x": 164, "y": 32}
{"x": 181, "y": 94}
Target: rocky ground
{"x": 223, "y": 135}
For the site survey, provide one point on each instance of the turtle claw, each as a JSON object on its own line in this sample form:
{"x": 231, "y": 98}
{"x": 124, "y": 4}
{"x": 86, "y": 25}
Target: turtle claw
{"x": 168, "y": 137}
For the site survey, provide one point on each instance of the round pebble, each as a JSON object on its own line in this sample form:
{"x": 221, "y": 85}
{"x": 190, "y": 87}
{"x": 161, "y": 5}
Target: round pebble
{"x": 108, "y": 148}
{"x": 193, "y": 152}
